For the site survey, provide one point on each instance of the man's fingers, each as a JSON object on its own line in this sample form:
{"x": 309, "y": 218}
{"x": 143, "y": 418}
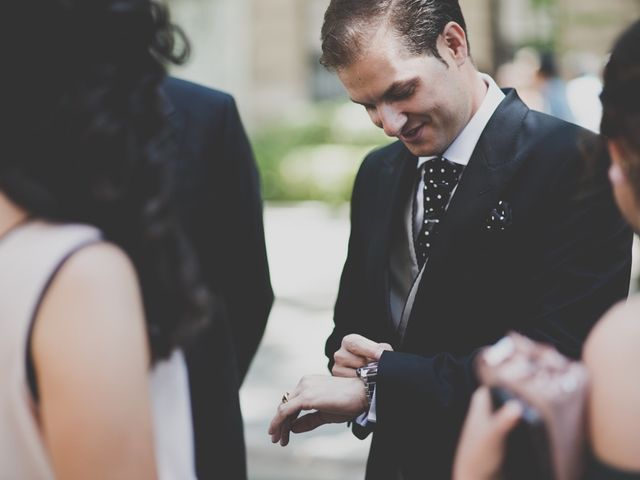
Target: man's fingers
{"x": 307, "y": 422}
{"x": 344, "y": 358}
{"x": 284, "y": 438}
{"x": 281, "y": 432}
{"x": 363, "y": 347}
{"x": 285, "y": 410}
{"x": 290, "y": 410}
{"x": 276, "y": 421}
{"x": 275, "y": 428}
{"x": 338, "y": 371}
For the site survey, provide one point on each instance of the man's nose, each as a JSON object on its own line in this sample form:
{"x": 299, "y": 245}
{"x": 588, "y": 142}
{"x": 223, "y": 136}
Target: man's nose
{"x": 392, "y": 121}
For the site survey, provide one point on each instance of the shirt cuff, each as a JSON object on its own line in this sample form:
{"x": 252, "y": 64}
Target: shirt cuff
{"x": 369, "y": 416}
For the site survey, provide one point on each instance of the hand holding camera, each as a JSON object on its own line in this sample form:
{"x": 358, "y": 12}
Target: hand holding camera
{"x": 548, "y": 443}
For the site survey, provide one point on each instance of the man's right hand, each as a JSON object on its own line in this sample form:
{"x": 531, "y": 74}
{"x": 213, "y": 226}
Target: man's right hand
{"x": 355, "y": 352}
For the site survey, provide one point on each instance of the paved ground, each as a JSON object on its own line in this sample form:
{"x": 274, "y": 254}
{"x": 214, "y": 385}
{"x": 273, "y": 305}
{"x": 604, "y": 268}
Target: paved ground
{"x": 307, "y": 246}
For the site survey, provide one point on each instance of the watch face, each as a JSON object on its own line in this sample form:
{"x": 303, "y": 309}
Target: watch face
{"x": 368, "y": 370}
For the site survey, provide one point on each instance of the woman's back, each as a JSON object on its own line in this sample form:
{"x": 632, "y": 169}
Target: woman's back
{"x": 90, "y": 146}
{"x": 88, "y": 346}
{"x": 25, "y": 271}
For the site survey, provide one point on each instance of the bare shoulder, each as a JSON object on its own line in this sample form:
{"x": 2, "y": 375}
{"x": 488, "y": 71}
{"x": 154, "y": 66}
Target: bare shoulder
{"x": 91, "y": 358}
{"x": 617, "y": 332}
{"x": 96, "y": 265}
{"x": 94, "y": 299}
{"x": 612, "y": 355}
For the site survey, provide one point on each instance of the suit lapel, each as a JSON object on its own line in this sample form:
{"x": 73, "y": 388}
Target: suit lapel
{"x": 492, "y": 165}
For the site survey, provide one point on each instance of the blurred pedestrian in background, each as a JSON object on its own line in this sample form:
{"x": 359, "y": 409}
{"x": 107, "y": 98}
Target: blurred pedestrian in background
{"x": 552, "y": 88}
{"x": 520, "y": 74}
{"x": 584, "y": 88}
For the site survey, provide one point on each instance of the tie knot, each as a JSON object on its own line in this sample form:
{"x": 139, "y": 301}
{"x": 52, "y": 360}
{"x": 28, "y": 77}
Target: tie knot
{"x": 441, "y": 169}
{"x": 441, "y": 172}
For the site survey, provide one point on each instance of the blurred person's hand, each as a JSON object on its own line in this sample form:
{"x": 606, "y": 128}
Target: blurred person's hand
{"x": 481, "y": 449}
{"x": 333, "y": 399}
{"x": 356, "y": 351}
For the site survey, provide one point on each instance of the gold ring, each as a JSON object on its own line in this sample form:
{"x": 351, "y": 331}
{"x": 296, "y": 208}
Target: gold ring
{"x": 285, "y": 397}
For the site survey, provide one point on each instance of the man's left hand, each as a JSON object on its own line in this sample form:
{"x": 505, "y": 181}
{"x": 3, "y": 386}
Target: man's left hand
{"x": 355, "y": 352}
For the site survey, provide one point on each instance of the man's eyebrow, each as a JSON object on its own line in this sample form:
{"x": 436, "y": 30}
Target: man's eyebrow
{"x": 397, "y": 87}
{"x": 394, "y": 89}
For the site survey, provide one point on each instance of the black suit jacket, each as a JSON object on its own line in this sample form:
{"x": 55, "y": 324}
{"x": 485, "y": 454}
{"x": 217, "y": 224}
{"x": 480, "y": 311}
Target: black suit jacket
{"x": 561, "y": 263}
{"x": 218, "y": 198}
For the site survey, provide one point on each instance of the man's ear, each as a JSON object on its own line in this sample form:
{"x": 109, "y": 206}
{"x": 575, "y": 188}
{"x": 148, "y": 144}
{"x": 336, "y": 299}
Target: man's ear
{"x": 455, "y": 41}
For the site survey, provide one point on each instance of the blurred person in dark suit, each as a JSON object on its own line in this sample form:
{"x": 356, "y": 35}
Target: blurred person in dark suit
{"x": 218, "y": 200}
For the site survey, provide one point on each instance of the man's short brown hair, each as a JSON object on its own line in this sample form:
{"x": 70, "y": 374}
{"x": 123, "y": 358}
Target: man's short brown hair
{"x": 347, "y": 24}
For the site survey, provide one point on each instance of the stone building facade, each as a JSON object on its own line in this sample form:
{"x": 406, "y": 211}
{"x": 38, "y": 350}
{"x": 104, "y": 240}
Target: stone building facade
{"x": 265, "y": 51}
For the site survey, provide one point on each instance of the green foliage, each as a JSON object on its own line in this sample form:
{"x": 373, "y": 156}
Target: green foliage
{"x": 539, "y": 44}
{"x": 548, "y": 25}
{"x": 543, "y": 3}
{"x": 315, "y": 154}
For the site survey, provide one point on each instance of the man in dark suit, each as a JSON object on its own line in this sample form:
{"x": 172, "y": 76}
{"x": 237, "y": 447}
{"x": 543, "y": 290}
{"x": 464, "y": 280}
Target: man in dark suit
{"x": 480, "y": 219}
{"x": 218, "y": 199}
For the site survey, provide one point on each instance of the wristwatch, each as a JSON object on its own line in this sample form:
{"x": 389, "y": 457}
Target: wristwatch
{"x": 368, "y": 374}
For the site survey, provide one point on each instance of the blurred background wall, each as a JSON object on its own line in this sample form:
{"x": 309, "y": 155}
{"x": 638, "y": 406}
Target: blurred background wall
{"x": 265, "y": 51}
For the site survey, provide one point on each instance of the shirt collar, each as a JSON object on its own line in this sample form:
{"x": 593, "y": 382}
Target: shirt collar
{"x": 462, "y": 147}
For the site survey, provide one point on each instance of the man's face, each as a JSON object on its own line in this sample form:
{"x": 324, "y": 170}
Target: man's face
{"x": 417, "y": 99}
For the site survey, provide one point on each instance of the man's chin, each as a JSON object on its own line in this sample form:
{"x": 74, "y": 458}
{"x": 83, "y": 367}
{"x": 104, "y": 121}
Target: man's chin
{"x": 422, "y": 150}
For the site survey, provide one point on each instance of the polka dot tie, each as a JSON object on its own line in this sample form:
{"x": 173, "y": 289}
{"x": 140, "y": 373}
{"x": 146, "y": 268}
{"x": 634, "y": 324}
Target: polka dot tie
{"x": 439, "y": 176}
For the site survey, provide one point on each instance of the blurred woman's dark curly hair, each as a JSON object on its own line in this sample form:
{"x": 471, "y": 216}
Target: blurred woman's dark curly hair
{"x": 621, "y": 101}
{"x": 87, "y": 141}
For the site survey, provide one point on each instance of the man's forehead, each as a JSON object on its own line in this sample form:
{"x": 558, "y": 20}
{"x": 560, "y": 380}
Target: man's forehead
{"x": 377, "y": 73}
